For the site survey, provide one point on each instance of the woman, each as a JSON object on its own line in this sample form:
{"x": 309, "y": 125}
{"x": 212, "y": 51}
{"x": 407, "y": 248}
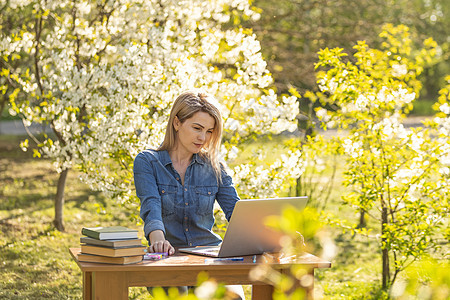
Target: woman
{"x": 178, "y": 183}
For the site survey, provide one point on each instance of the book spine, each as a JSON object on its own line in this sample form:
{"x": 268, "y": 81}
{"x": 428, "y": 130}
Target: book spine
{"x": 114, "y": 252}
{"x": 92, "y": 234}
{"x": 103, "y": 251}
{"x": 104, "y": 243}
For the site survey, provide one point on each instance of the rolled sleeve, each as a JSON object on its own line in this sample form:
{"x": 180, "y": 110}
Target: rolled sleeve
{"x": 153, "y": 225}
{"x": 147, "y": 192}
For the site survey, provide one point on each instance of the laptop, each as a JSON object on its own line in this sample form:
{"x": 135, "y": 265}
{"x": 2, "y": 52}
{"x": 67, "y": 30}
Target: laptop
{"x": 247, "y": 233}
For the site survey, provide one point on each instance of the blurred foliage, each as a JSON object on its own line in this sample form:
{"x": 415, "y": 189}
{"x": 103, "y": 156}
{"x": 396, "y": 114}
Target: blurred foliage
{"x": 428, "y": 279}
{"x": 303, "y": 233}
{"x": 301, "y": 228}
{"x": 293, "y": 31}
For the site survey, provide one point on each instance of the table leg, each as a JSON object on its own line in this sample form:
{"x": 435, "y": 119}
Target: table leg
{"x": 305, "y": 283}
{"x": 309, "y": 288}
{"x": 262, "y": 292}
{"x": 109, "y": 285}
{"x": 87, "y": 285}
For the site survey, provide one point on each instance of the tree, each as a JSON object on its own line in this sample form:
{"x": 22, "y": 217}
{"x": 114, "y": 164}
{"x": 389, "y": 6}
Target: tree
{"x": 398, "y": 176}
{"x": 106, "y": 72}
{"x": 10, "y": 21}
{"x": 293, "y": 31}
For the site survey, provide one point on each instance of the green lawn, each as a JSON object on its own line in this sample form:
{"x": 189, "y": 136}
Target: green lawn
{"x": 35, "y": 260}
{"x": 36, "y": 263}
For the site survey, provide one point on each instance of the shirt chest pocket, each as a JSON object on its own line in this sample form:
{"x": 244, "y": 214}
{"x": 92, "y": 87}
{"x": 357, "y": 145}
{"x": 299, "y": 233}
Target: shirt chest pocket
{"x": 205, "y": 199}
{"x": 168, "y": 195}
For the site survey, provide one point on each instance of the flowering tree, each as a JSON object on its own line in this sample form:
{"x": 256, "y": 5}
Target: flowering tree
{"x": 105, "y": 74}
{"x": 8, "y": 57}
{"x": 399, "y": 176}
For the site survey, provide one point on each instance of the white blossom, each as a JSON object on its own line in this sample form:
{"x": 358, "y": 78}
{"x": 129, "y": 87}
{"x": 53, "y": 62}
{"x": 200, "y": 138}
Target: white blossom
{"x": 399, "y": 70}
{"x": 113, "y": 83}
{"x": 353, "y": 148}
{"x": 445, "y": 108}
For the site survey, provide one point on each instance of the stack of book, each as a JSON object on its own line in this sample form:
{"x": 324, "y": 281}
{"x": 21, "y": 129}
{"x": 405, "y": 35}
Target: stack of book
{"x": 111, "y": 245}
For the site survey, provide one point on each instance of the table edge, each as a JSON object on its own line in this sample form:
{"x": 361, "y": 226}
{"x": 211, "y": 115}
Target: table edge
{"x": 318, "y": 263}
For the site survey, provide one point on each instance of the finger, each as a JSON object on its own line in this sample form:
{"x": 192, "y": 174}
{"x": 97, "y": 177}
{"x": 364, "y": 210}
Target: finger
{"x": 170, "y": 250}
{"x": 156, "y": 247}
{"x": 160, "y": 247}
{"x": 166, "y": 246}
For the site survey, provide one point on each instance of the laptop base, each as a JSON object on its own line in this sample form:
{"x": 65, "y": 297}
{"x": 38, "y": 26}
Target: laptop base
{"x": 212, "y": 251}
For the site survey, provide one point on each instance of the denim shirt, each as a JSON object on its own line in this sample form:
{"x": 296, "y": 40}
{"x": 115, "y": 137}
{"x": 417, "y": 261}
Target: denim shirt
{"x": 183, "y": 212}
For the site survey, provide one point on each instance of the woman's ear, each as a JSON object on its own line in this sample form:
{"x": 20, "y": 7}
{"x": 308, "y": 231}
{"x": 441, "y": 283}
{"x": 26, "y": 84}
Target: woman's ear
{"x": 176, "y": 123}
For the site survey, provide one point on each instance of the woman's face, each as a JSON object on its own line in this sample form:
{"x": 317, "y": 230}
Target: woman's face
{"x": 194, "y": 133}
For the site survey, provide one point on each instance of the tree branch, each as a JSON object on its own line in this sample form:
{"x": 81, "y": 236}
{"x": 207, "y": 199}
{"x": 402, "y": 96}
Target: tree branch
{"x": 38, "y": 31}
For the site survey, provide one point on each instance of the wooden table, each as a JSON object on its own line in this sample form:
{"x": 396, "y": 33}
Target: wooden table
{"x": 109, "y": 282}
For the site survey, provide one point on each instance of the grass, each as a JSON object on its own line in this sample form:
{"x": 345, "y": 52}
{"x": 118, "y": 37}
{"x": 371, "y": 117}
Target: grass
{"x": 423, "y": 108}
{"x": 36, "y": 263}
{"x": 355, "y": 270}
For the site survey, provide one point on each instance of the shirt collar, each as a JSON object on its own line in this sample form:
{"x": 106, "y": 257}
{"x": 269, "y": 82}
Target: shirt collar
{"x": 198, "y": 159}
{"x": 164, "y": 158}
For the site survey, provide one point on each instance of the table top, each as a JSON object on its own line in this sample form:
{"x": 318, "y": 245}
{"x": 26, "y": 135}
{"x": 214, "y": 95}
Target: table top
{"x": 185, "y": 261}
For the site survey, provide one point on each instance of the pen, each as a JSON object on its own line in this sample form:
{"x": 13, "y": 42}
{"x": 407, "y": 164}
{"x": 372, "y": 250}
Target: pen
{"x": 254, "y": 258}
{"x": 224, "y": 259}
{"x": 154, "y": 256}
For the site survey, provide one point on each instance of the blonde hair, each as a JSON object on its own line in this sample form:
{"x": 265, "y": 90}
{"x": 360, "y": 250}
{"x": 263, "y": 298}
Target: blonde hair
{"x": 184, "y": 107}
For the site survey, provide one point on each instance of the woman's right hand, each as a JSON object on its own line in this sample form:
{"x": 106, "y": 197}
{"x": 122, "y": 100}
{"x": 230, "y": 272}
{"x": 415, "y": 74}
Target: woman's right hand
{"x": 158, "y": 243}
{"x": 162, "y": 247}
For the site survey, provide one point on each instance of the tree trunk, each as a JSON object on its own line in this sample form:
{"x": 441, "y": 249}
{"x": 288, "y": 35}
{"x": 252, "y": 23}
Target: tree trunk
{"x": 298, "y": 188}
{"x": 3, "y": 102}
{"x": 362, "y": 219}
{"x": 59, "y": 200}
{"x": 384, "y": 249}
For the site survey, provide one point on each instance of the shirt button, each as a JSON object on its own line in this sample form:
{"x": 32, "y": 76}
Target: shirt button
{"x": 185, "y": 218}
{"x": 185, "y": 190}
{"x": 178, "y": 178}
{"x": 187, "y": 203}
{"x": 163, "y": 191}
{"x": 187, "y": 229}
{"x": 190, "y": 244}
{"x": 209, "y": 193}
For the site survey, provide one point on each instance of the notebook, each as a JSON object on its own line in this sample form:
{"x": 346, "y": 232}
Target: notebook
{"x": 247, "y": 234}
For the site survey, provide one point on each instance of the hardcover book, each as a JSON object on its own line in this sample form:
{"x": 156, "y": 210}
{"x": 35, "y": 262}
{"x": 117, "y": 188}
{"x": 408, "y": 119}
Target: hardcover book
{"x": 122, "y": 260}
{"x": 113, "y": 252}
{"x": 110, "y": 243}
{"x": 110, "y": 233}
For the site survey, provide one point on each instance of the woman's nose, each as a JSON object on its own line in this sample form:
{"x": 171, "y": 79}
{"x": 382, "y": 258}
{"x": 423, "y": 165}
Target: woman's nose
{"x": 201, "y": 136}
